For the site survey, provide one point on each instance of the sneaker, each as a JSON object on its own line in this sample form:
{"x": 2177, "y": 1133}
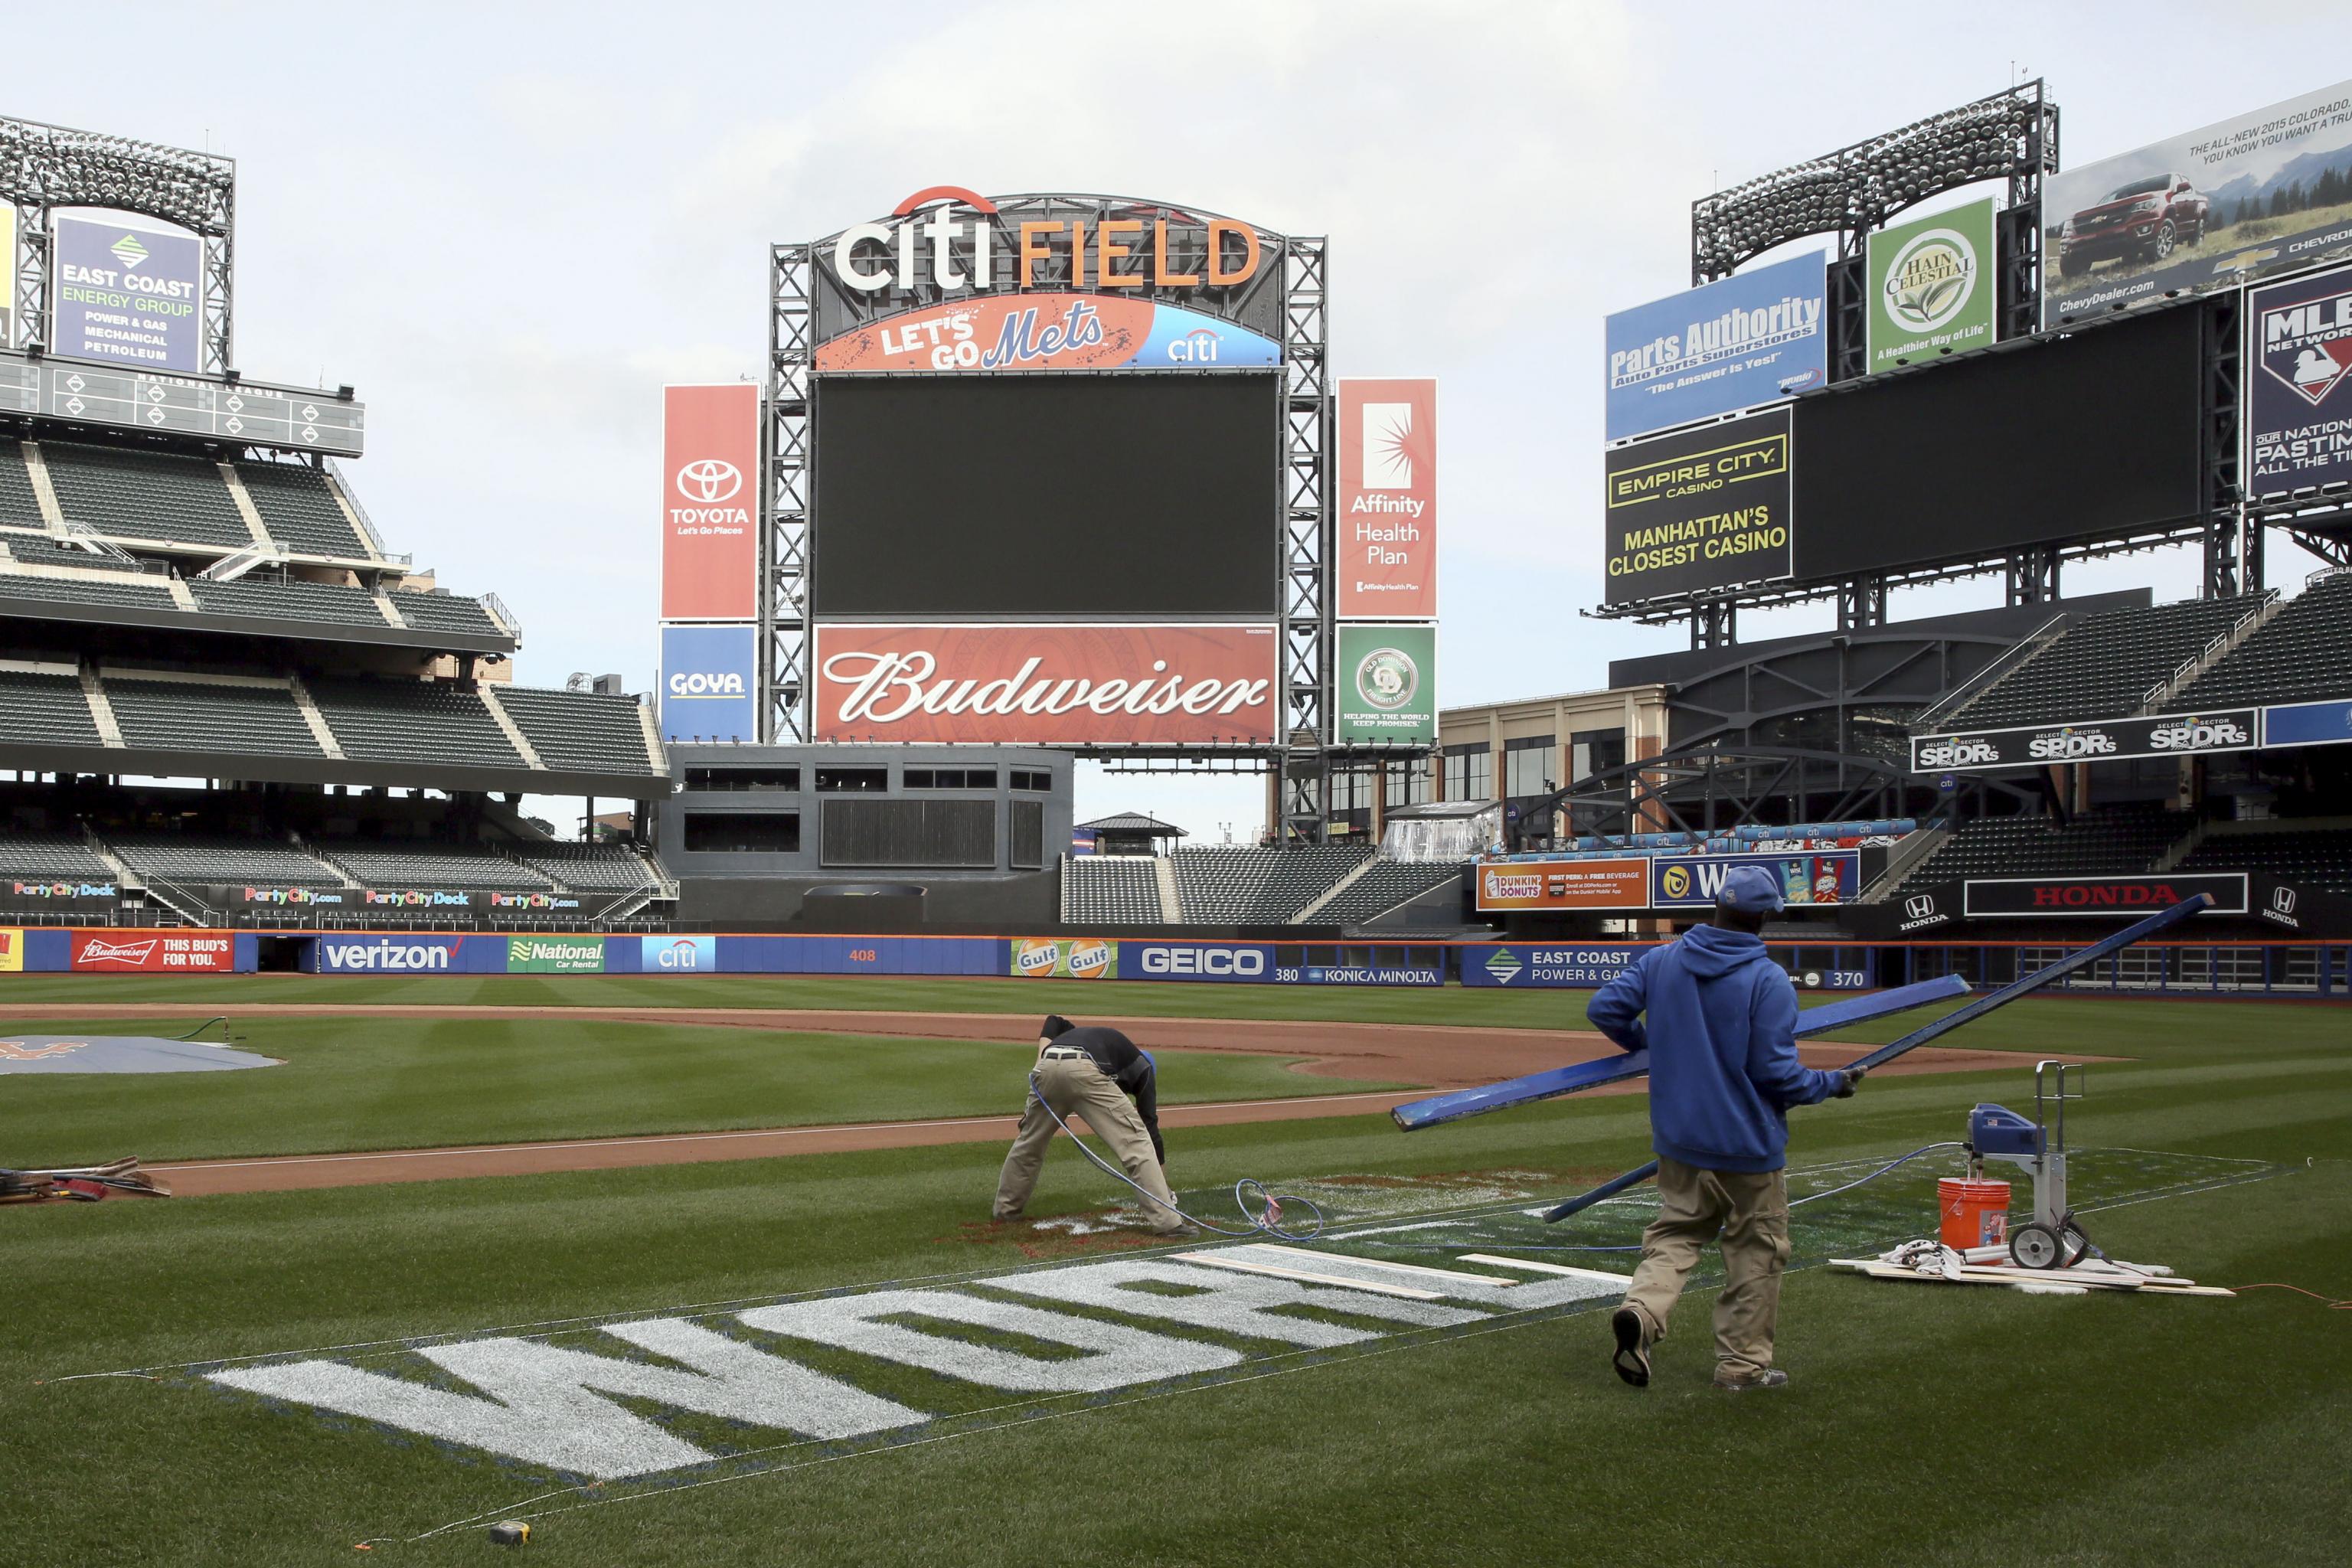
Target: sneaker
{"x": 1632, "y": 1358}
{"x": 1771, "y": 1377}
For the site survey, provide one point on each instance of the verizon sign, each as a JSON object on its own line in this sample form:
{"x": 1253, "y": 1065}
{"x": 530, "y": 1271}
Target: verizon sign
{"x": 1047, "y": 685}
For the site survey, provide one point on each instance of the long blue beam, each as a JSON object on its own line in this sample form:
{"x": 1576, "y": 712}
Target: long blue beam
{"x": 2164, "y": 920}
{"x": 1553, "y": 1082}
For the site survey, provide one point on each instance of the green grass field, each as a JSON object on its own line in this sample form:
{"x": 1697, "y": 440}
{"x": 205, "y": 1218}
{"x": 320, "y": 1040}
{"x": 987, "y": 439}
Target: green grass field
{"x": 1924, "y": 1426}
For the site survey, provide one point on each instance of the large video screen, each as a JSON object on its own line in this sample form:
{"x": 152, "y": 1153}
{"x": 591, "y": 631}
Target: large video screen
{"x": 1065, "y": 495}
{"x": 2092, "y": 435}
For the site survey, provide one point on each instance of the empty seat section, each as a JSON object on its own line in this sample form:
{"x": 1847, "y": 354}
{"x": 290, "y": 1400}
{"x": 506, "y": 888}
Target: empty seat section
{"x": 2104, "y": 665}
{"x": 299, "y": 511}
{"x": 2113, "y": 841}
{"x": 1111, "y": 889}
{"x": 426, "y": 722}
{"x": 128, "y": 591}
{"x": 1233, "y": 884}
{"x": 288, "y": 600}
{"x": 144, "y": 494}
{"x": 1383, "y": 887}
{"x": 2312, "y": 856}
{"x": 186, "y": 716}
{"x": 588, "y": 868}
{"x": 423, "y": 864}
{"x": 2301, "y": 654}
{"x": 444, "y": 612}
{"x": 50, "y": 855}
{"x": 46, "y": 709}
{"x": 210, "y": 858}
{"x": 580, "y": 730}
{"x": 19, "y": 507}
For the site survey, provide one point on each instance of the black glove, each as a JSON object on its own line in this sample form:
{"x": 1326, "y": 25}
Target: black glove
{"x": 1847, "y": 1078}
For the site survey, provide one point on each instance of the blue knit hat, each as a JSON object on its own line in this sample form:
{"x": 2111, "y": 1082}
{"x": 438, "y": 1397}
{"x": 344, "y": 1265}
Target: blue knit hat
{"x": 1750, "y": 890}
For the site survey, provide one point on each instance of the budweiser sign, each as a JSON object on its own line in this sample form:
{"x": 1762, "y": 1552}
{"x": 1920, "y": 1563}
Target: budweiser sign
{"x": 1047, "y": 685}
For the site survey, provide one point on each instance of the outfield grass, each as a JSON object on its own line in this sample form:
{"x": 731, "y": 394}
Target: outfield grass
{"x": 1923, "y": 1426}
{"x": 360, "y": 1083}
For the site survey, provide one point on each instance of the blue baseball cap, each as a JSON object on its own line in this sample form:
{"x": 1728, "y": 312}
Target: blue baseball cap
{"x": 1750, "y": 890}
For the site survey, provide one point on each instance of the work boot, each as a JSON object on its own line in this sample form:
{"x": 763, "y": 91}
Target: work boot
{"x": 1632, "y": 1358}
{"x": 1771, "y": 1377}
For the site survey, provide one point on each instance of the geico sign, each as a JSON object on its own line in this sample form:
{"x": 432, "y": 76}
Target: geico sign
{"x": 2071, "y": 743}
{"x": 1957, "y": 753}
{"x": 2198, "y": 735}
{"x": 706, "y": 683}
{"x": 915, "y": 249}
{"x": 1203, "y": 961}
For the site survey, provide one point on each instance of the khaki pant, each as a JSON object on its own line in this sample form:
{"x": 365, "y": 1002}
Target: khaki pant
{"x": 1074, "y": 1087}
{"x": 1751, "y": 1211}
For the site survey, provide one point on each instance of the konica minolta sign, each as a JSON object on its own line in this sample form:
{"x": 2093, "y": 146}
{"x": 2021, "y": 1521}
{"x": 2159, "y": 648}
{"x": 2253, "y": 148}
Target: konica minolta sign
{"x": 2091, "y": 741}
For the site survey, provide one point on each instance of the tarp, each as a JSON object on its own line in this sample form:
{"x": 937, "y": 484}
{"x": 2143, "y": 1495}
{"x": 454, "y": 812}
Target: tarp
{"x": 121, "y": 1053}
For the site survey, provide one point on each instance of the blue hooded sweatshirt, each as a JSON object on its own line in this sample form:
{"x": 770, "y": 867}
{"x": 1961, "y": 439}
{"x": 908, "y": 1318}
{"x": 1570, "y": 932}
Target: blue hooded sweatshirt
{"x": 1723, "y": 1048}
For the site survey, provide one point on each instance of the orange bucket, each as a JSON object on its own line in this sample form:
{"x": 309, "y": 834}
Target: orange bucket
{"x": 1975, "y": 1213}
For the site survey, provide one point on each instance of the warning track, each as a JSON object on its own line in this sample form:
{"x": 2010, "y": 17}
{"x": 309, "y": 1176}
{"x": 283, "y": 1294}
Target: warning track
{"x": 1426, "y": 1057}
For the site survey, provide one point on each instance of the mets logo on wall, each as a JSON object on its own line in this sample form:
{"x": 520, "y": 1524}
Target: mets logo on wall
{"x": 1931, "y": 279}
{"x": 1387, "y": 679}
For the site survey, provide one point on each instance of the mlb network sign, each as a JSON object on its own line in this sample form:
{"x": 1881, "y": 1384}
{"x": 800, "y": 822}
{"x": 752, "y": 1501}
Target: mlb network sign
{"x": 708, "y": 675}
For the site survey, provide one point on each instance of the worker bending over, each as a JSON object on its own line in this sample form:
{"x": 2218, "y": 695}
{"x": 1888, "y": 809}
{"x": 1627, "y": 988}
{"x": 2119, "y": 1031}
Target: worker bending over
{"x": 1723, "y": 1073}
{"x": 1093, "y": 1073}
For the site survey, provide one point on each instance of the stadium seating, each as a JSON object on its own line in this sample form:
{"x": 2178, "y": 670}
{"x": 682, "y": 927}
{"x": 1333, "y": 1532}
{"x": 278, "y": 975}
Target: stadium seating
{"x": 1383, "y": 888}
{"x": 422, "y": 864}
{"x": 444, "y": 612}
{"x": 401, "y": 721}
{"x": 2103, "y": 666}
{"x": 19, "y": 507}
{"x": 50, "y": 855}
{"x": 2302, "y": 653}
{"x": 579, "y": 730}
{"x": 2113, "y": 841}
{"x": 191, "y": 716}
{"x": 290, "y": 601}
{"x": 588, "y": 868}
{"x": 2314, "y": 857}
{"x": 42, "y": 708}
{"x": 1233, "y": 884}
{"x": 133, "y": 493}
{"x": 197, "y": 857}
{"x": 1111, "y": 889}
{"x": 299, "y": 512}
{"x": 128, "y": 591}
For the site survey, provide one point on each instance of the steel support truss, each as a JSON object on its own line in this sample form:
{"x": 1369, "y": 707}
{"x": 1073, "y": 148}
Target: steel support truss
{"x": 784, "y": 645}
{"x": 44, "y": 167}
{"x": 1307, "y": 522}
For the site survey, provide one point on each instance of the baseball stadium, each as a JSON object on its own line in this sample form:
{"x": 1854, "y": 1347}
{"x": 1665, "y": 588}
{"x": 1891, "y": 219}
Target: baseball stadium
{"x": 849, "y": 1147}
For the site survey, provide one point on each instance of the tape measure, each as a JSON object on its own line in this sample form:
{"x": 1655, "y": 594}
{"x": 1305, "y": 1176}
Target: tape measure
{"x": 511, "y": 1532}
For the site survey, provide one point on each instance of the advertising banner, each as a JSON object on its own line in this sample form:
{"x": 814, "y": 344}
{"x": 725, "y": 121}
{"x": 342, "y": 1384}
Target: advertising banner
{"x": 2248, "y": 198}
{"x": 1724, "y": 346}
{"x": 2129, "y": 897}
{"x": 126, "y": 295}
{"x": 2299, "y": 418}
{"x": 1061, "y": 958}
{"x": 1806, "y": 880}
{"x": 2303, "y": 910}
{"x": 1566, "y": 885}
{"x": 1363, "y": 974}
{"x": 555, "y": 955}
{"x": 1046, "y": 684}
{"x": 710, "y": 678}
{"x": 8, "y": 277}
{"x": 1387, "y": 562}
{"x": 12, "y": 949}
{"x": 2093, "y": 740}
{"x": 1387, "y": 680}
{"x": 2307, "y": 724}
{"x": 1066, "y": 331}
{"x": 1242, "y": 962}
{"x": 678, "y": 954}
{"x": 154, "y": 952}
{"x": 1705, "y": 509}
{"x": 1532, "y": 967}
{"x": 388, "y": 955}
{"x": 710, "y": 502}
{"x": 1931, "y": 285}
{"x": 93, "y": 896}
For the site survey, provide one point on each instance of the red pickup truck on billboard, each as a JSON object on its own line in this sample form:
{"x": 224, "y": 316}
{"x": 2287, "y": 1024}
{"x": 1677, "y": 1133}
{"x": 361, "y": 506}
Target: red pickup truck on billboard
{"x": 2143, "y": 220}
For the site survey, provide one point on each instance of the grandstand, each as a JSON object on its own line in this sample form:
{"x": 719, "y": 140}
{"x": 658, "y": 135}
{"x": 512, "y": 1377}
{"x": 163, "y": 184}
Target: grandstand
{"x": 2105, "y": 665}
{"x": 2303, "y": 652}
{"x": 1113, "y": 889}
{"x": 2117, "y": 840}
{"x": 1239, "y": 885}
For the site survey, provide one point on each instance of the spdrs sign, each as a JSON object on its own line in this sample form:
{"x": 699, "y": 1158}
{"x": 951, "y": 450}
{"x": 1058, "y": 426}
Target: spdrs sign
{"x": 127, "y": 295}
{"x": 1705, "y": 508}
{"x": 710, "y": 502}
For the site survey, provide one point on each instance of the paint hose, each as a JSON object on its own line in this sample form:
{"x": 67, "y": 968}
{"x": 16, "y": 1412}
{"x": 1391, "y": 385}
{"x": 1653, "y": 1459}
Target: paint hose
{"x": 1265, "y": 1219}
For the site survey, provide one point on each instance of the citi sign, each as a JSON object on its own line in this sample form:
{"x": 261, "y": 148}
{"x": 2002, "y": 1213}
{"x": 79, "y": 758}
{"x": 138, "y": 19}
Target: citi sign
{"x": 386, "y": 954}
{"x": 915, "y": 249}
{"x": 1210, "y": 962}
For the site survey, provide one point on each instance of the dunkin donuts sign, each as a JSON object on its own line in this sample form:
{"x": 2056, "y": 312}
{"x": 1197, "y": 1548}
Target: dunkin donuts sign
{"x": 1047, "y": 685}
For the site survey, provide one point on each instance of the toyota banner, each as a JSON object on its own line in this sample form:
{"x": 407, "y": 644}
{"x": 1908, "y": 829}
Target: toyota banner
{"x": 1386, "y": 565}
{"x": 1735, "y": 343}
{"x": 710, "y": 502}
{"x": 2093, "y": 740}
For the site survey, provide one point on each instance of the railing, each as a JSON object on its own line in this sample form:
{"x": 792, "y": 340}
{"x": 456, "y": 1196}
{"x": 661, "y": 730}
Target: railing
{"x": 358, "y": 515}
{"x": 1998, "y": 670}
{"x": 2204, "y": 658}
{"x": 501, "y": 616}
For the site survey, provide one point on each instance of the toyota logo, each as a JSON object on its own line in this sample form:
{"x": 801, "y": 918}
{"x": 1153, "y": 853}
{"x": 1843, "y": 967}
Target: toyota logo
{"x": 1919, "y": 908}
{"x": 708, "y": 480}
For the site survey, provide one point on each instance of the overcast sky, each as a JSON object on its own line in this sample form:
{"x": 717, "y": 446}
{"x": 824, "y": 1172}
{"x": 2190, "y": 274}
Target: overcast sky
{"x": 508, "y": 224}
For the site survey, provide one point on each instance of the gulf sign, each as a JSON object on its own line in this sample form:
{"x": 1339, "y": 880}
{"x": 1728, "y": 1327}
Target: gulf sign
{"x": 951, "y": 240}
{"x": 1806, "y": 880}
{"x": 1387, "y": 560}
{"x": 1057, "y": 958}
{"x": 152, "y": 952}
{"x": 1565, "y": 885}
{"x": 710, "y": 502}
{"x": 1047, "y": 684}
{"x": 1063, "y": 331}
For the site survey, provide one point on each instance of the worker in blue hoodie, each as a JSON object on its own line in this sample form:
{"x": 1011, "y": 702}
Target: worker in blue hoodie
{"x": 1722, "y": 1020}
